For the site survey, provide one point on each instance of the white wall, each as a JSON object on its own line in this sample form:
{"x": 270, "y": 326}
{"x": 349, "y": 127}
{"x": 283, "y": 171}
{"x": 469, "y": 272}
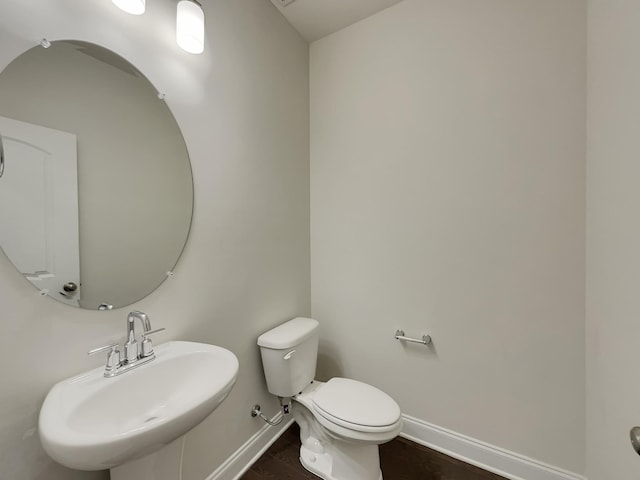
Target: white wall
{"x": 243, "y": 109}
{"x": 447, "y": 197}
{"x": 613, "y": 236}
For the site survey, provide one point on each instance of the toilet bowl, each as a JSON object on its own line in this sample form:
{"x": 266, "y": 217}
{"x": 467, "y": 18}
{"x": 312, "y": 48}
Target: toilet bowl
{"x": 342, "y": 421}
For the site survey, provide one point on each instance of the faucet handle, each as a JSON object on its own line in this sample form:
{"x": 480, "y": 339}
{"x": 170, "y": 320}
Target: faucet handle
{"x": 147, "y": 346}
{"x": 151, "y": 332}
{"x": 113, "y": 357}
{"x": 114, "y": 346}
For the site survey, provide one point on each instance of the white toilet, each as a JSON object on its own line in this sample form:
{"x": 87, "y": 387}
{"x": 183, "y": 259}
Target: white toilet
{"x": 342, "y": 421}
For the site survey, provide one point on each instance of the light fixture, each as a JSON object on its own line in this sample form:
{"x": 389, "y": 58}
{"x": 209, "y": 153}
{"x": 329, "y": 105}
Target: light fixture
{"x": 135, "y": 7}
{"x": 190, "y": 26}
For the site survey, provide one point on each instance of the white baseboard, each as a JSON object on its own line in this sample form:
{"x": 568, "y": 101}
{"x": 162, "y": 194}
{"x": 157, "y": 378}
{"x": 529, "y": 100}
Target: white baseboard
{"x": 488, "y": 457}
{"x": 238, "y": 463}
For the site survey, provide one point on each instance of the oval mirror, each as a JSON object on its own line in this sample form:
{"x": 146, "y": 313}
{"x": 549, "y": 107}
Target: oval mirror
{"x": 96, "y": 189}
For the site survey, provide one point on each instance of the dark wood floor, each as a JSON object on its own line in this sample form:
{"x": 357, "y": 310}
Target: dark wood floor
{"x": 400, "y": 459}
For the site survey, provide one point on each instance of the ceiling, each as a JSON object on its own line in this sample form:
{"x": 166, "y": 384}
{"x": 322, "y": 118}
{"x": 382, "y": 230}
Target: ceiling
{"x": 314, "y": 19}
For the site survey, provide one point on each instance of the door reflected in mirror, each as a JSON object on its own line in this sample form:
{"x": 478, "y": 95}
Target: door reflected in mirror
{"x": 97, "y": 191}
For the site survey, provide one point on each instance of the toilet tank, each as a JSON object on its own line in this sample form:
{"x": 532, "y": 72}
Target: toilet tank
{"x": 289, "y": 354}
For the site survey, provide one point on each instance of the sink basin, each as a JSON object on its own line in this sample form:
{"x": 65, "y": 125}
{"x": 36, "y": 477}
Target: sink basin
{"x": 90, "y": 422}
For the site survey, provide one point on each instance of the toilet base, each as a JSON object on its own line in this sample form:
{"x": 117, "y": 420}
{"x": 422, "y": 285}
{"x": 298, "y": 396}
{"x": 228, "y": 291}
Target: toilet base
{"x": 346, "y": 463}
{"x": 334, "y": 453}
{"x": 318, "y": 464}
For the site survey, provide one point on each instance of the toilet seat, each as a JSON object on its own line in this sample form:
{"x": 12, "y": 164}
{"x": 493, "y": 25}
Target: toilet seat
{"x": 356, "y": 406}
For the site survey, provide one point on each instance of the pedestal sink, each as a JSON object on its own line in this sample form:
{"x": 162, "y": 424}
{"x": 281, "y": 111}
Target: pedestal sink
{"x": 133, "y": 424}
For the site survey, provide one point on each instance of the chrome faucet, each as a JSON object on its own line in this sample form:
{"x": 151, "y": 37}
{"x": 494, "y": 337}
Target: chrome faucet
{"x": 131, "y": 345}
{"x": 133, "y": 355}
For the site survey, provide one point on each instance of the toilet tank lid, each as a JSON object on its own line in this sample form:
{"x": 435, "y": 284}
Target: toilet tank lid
{"x": 288, "y": 334}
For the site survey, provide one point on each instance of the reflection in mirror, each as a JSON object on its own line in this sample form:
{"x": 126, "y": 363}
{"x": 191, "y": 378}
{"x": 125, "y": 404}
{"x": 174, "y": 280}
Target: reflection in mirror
{"x": 1, "y": 156}
{"x": 97, "y": 192}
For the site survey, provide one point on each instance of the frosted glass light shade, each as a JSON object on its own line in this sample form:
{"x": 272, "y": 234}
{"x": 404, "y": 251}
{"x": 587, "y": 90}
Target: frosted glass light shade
{"x": 135, "y": 7}
{"x": 190, "y": 26}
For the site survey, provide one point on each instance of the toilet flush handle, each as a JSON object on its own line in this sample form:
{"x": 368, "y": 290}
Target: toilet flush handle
{"x": 288, "y": 356}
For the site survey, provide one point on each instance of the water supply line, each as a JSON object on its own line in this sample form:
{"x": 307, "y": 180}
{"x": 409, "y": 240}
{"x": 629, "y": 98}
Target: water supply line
{"x": 255, "y": 412}
{"x": 285, "y": 404}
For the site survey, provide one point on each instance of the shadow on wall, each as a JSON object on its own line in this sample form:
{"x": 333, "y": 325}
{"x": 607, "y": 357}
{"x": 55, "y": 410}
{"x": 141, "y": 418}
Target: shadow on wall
{"x": 328, "y": 365}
